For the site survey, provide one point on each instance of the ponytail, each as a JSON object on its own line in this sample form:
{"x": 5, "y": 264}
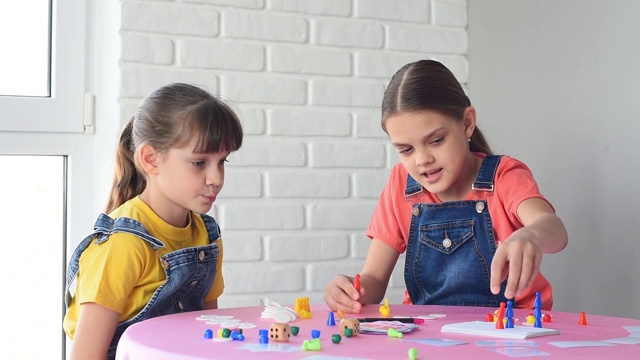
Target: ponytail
{"x": 128, "y": 182}
{"x": 478, "y": 143}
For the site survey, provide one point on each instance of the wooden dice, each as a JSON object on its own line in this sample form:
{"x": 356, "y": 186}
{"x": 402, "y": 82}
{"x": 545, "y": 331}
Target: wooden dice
{"x": 279, "y": 332}
{"x": 352, "y": 324}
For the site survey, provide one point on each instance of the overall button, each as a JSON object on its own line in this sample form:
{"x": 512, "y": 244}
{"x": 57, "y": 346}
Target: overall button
{"x": 181, "y": 305}
{"x": 479, "y": 207}
{"x": 416, "y": 211}
{"x": 446, "y": 243}
{"x": 201, "y": 255}
{"x": 165, "y": 264}
{"x": 193, "y": 283}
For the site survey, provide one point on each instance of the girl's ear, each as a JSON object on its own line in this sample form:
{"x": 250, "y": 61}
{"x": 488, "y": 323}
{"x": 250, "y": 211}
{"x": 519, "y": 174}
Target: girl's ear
{"x": 469, "y": 121}
{"x": 149, "y": 159}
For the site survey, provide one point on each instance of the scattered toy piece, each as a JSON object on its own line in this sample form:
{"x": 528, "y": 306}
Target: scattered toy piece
{"x": 312, "y": 345}
{"x": 352, "y": 324}
{"x": 384, "y": 309}
{"x": 280, "y": 332}
{"x": 295, "y": 330}
{"x": 583, "y": 318}
{"x": 537, "y": 313}
{"x": 509, "y": 324}
{"x": 394, "y": 333}
{"x": 336, "y": 338}
{"x": 331, "y": 321}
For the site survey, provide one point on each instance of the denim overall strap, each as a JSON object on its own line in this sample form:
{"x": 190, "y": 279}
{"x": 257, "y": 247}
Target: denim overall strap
{"x": 190, "y": 273}
{"x": 104, "y": 227}
{"x": 450, "y": 249}
{"x": 487, "y": 173}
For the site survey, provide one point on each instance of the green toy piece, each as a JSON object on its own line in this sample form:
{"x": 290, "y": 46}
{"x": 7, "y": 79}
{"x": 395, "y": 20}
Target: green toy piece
{"x": 335, "y": 338}
{"x": 348, "y": 332}
{"x": 295, "y": 330}
{"x": 394, "y": 333}
{"x": 312, "y": 345}
{"x": 413, "y": 354}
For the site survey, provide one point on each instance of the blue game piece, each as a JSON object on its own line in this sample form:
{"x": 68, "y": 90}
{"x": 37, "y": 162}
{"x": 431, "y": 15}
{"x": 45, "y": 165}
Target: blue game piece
{"x": 538, "y": 302}
{"x": 509, "y": 324}
{"x": 315, "y": 334}
{"x": 331, "y": 320}
{"x": 237, "y": 335}
{"x": 208, "y": 334}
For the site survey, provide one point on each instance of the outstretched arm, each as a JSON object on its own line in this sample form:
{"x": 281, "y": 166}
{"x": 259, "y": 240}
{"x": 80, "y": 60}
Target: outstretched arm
{"x": 518, "y": 258}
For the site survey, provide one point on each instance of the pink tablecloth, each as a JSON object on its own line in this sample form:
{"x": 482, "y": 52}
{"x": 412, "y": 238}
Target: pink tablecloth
{"x": 181, "y": 336}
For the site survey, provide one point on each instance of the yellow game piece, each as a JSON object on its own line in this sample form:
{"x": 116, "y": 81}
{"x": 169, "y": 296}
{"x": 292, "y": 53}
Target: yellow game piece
{"x": 530, "y": 319}
{"x": 384, "y": 309}
{"x": 304, "y": 314}
{"x": 340, "y": 314}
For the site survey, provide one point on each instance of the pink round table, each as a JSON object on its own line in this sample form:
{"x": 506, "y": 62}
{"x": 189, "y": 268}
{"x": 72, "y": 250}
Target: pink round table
{"x": 181, "y": 336}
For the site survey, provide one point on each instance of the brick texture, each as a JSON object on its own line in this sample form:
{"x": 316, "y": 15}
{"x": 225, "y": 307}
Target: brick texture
{"x": 306, "y": 78}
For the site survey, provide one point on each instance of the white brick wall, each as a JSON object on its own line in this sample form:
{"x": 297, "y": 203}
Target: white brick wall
{"x": 307, "y": 78}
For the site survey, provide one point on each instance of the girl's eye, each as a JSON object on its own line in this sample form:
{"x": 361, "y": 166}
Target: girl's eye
{"x": 198, "y": 163}
{"x": 437, "y": 141}
{"x": 223, "y": 161}
{"x": 404, "y": 151}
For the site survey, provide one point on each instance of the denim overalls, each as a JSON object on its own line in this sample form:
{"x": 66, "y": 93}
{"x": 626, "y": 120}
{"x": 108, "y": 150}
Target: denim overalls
{"x": 190, "y": 271}
{"x": 451, "y": 245}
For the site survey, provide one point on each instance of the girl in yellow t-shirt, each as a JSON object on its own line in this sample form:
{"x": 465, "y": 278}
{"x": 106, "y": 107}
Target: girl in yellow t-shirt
{"x": 156, "y": 252}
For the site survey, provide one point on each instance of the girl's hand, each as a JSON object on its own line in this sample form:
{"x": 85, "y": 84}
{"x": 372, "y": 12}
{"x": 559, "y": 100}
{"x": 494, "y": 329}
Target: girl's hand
{"x": 341, "y": 294}
{"x": 518, "y": 260}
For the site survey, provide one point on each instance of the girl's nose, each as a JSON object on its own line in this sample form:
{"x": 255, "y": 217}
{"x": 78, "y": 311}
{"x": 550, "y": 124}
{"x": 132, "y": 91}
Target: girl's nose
{"x": 215, "y": 177}
{"x": 423, "y": 158}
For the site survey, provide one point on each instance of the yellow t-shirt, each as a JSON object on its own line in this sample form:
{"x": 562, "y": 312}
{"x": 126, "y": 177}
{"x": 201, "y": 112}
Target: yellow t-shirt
{"x": 123, "y": 272}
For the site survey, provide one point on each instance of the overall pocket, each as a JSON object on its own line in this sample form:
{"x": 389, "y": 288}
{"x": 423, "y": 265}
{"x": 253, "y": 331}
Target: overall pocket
{"x": 447, "y": 237}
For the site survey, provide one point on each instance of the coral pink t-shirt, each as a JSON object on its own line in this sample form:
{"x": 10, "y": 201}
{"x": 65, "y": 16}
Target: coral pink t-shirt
{"x": 513, "y": 184}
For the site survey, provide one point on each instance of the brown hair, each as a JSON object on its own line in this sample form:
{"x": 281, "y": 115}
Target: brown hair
{"x": 429, "y": 85}
{"x": 171, "y": 116}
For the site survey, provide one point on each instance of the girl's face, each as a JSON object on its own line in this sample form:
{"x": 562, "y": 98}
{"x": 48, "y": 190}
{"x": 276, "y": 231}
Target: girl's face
{"x": 185, "y": 181}
{"x": 434, "y": 149}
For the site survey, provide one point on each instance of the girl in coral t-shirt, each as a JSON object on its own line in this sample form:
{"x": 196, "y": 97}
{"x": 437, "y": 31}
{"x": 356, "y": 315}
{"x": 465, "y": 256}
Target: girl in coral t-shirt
{"x": 473, "y": 225}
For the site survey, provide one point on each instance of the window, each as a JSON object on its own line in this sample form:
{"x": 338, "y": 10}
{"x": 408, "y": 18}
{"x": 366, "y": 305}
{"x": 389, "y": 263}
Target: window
{"x": 32, "y": 214}
{"x": 44, "y": 47}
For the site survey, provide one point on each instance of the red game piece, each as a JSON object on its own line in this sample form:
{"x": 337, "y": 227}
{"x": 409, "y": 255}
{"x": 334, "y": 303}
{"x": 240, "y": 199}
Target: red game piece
{"x": 583, "y": 319}
{"x": 546, "y": 318}
{"x": 356, "y": 282}
{"x": 501, "y": 310}
{"x": 488, "y": 318}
